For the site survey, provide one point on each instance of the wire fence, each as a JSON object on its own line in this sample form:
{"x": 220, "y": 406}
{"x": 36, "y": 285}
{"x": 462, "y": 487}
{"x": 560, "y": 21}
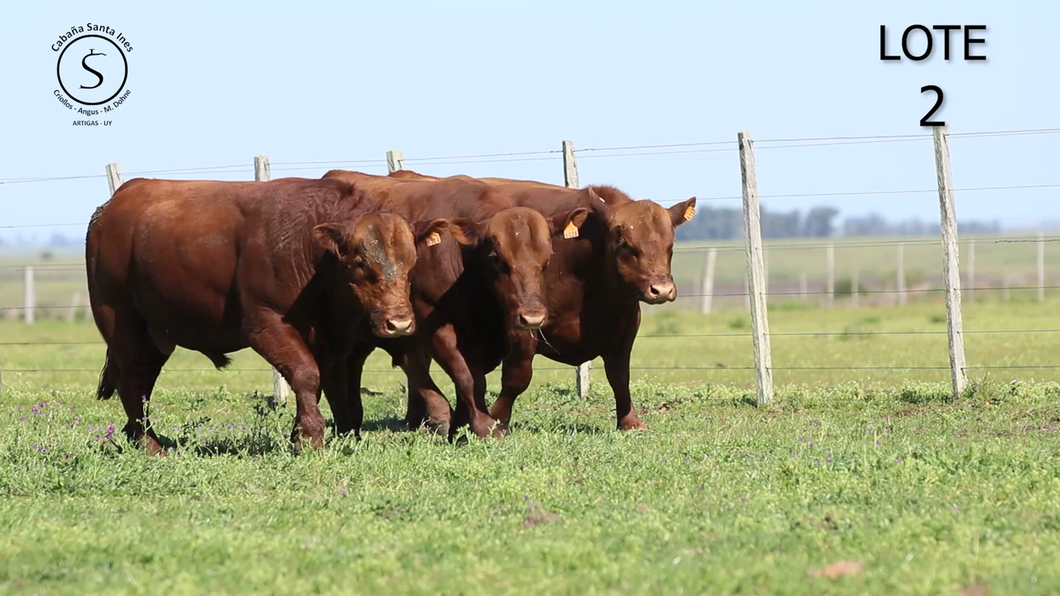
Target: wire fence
{"x": 72, "y": 272}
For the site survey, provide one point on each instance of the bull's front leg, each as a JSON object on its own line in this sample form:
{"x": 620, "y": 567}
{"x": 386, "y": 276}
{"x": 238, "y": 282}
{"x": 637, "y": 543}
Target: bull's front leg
{"x": 517, "y": 370}
{"x": 616, "y": 365}
{"x": 281, "y": 346}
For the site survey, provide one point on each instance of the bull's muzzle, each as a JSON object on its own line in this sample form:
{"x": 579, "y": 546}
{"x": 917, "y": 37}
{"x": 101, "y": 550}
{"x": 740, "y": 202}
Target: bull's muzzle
{"x": 532, "y": 319}
{"x": 660, "y": 292}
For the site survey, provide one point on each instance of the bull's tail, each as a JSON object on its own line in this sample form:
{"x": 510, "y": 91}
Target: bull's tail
{"x": 108, "y": 379}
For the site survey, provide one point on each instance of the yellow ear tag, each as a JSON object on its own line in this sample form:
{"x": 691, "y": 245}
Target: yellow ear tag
{"x": 434, "y": 238}
{"x": 571, "y": 231}
{"x": 689, "y": 212}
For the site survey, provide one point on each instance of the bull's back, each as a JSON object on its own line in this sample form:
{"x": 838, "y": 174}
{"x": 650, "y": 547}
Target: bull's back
{"x": 171, "y": 251}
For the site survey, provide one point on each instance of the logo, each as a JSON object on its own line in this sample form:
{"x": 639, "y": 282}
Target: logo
{"x": 93, "y": 72}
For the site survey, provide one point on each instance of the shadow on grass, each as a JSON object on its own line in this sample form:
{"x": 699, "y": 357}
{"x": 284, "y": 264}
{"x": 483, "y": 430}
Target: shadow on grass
{"x": 391, "y": 423}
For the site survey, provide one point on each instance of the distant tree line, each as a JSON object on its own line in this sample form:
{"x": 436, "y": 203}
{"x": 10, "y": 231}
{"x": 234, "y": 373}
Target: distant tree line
{"x": 724, "y": 223}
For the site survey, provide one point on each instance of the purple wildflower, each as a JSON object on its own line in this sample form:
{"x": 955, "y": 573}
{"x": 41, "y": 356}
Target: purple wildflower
{"x": 816, "y": 463}
{"x": 877, "y": 443}
{"x": 343, "y": 493}
{"x": 21, "y": 418}
{"x": 898, "y": 459}
{"x": 686, "y": 458}
{"x": 34, "y": 409}
{"x": 829, "y": 460}
{"x": 110, "y": 430}
{"x": 800, "y": 439}
{"x": 700, "y": 488}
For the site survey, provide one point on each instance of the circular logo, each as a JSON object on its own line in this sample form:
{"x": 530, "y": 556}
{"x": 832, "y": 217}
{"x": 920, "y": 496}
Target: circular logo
{"x": 92, "y": 70}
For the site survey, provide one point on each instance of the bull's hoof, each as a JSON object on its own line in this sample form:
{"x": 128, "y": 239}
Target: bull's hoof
{"x": 154, "y": 447}
{"x": 631, "y": 424}
{"x": 439, "y": 428}
{"x": 502, "y": 429}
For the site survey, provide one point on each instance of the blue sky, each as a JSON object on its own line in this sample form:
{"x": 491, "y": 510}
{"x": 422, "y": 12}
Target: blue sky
{"x": 215, "y": 83}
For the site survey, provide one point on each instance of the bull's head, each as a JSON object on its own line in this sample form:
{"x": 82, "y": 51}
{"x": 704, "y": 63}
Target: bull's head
{"x": 516, "y": 247}
{"x": 640, "y": 241}
{"x": 376, "y": 252}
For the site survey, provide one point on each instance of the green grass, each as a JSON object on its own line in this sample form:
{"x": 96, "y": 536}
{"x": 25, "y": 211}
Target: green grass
{"x": 930, "y": 495}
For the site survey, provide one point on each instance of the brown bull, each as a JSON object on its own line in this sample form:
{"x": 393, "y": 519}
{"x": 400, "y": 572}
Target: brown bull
{"x": 469, "y": 294}
{"x": 596, "y": 283}
{"x": 288, "y": 268}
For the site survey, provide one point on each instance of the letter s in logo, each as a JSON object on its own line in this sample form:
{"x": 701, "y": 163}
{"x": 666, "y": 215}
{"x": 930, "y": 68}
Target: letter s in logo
{"x": 92, "y": 52}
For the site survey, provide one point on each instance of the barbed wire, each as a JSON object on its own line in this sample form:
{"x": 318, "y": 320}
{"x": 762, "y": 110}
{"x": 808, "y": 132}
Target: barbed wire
{"x": 781, "y": 143}
{"x": 729, "y": 246}
{"x": 714, "y": 295}
{"x": 716, "y": 368}
{"x": 677, "y": 335}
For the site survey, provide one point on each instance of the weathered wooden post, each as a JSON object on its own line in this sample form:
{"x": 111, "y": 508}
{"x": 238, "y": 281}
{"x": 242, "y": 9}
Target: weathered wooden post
{"x": 570, "y": 180}
{"x": 951, "y": 261}
{"x": 281, "y": 390}
{"x": 29, "y": 296}
{"x": 71, "y": 312}
{"x": 395, "y": 160}
{"x": 829, "y": 298}
{"x": 706, "y": 294}
{"x": 901, "y": 274}
{"x": 1041, "y": 267}
{"x": 755, "y": 270}
{"x": 114, "y": 180}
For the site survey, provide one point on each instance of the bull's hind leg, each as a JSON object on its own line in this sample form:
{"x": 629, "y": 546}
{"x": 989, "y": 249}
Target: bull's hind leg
{"x": 140, "y": 361}
{"x": 282, "y": 347}
{"x": 426, "y": 404}
{"x": 470, "y": 386}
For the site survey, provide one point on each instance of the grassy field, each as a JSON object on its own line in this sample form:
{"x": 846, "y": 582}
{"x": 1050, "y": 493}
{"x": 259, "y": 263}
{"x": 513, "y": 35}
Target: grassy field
{"x": 852, "y": 481}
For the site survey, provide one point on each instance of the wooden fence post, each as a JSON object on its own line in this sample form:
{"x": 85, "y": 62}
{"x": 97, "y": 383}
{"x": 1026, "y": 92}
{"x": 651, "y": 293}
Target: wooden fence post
{"x": 951, "y": 260}
{"x": 75, "y": 302}
{"x": 706, "y": 298}
{"x": 971, "y": 269}
{"x": 829, "y": 298}
{"x": 29, "y": 296}
{"x": 570, "y": 180}
{"x": 1041, "y": 267}
{"x": 114, "y": 176}
{"x": 901, "y": 274}
{"x": 281, "y": 389}
{"x": 755, "y": 270}
{"x": 395, "y": 160}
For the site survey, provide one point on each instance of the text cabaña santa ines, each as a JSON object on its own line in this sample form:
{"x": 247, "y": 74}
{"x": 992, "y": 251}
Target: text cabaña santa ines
{"x": 91, "y": 28}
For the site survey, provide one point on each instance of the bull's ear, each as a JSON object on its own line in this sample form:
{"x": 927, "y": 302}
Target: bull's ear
{"x": 569, "y": 223}
{"x": 331, "y": 237}
{"x": 682, "y": 212}
{"x": 597, "y": 205}
{"x": 430, "y": 232}
{"x": 465, "y": 231}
